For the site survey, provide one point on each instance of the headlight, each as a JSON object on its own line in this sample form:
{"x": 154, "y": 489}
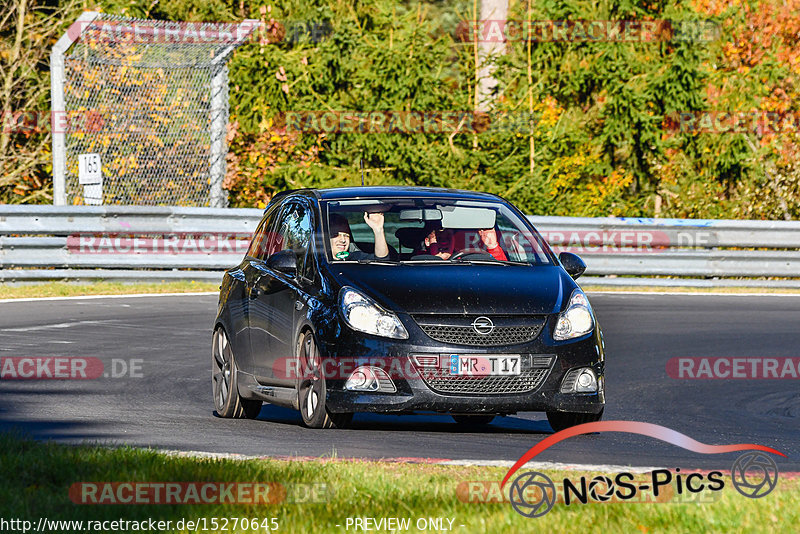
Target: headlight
{"x": 576, "y": 320}
{"x": 362, "y": 314}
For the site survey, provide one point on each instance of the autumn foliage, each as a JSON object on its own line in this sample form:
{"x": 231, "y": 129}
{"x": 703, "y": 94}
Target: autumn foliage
{"x": 607, "y": 136}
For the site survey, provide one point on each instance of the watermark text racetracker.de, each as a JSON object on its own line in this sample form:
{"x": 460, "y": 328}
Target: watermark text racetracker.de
{"x": 200, "y": 524}
{"x": 733, "y": 368}
{"x": 758, "y": 122}
{"x": 146, "y": 32}
{"x": 172, "y": 243}
{"x": 588, "y": 31}
{"x": 627, "y": 241}
{"x": 198, "y": 492}
{"x": 68, "y": 368}
{"x": 237, "y": 243}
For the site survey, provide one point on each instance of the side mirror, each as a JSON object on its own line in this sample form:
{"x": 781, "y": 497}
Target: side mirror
{"x": 283, "y": 261}
{"x": 572, "y": 263}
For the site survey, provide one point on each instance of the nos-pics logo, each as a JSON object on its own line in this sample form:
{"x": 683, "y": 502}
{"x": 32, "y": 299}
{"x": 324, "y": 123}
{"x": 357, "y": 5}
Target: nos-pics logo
{"x": 533, "y": 494}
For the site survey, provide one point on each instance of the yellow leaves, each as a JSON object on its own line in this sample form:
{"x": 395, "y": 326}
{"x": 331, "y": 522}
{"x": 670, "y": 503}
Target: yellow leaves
{"x": 550, "y": 111}
{"x": 265, "y": 124}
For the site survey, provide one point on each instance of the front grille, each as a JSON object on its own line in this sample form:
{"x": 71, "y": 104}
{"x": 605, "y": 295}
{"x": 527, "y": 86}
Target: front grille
{"x": 440, "y": 380}
{"x": 458, "y": 330}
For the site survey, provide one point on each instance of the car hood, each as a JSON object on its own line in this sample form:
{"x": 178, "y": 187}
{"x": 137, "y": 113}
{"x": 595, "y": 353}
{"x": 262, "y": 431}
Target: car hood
{"x": 460, "y": 289}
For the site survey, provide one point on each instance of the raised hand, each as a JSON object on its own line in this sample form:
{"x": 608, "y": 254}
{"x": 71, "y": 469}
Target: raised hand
{"x": 374, "y": 221}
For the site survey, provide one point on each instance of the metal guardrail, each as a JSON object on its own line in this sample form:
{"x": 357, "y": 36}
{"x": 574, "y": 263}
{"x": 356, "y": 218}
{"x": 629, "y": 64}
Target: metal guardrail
{"x": 41, "y": 242}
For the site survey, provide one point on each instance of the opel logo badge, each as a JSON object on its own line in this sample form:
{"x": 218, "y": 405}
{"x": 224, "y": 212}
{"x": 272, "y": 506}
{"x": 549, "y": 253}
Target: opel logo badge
{"x": 483, "y": 325}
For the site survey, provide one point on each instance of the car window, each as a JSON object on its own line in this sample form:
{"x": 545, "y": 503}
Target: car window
{"x": 260, "y": 243}
{"x": 484, "y": 229}
{"x": 294, "y": 232}
{"x": 364, "y": 238}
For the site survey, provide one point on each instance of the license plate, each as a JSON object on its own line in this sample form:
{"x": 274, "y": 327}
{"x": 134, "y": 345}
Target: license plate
{"x": 484, "y": 365}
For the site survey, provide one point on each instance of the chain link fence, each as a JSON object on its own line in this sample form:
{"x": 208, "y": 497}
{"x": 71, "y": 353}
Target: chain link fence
{"x": 150, "y": 98}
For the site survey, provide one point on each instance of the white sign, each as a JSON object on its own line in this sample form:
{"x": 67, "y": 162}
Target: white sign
{"x": 93, "y": 194}
{"x": 90, "y": 171}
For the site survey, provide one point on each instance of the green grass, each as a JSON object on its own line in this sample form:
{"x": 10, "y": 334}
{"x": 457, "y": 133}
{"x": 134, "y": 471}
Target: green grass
{"x": 64, "y": 289}
{"x": 35, "y": 477}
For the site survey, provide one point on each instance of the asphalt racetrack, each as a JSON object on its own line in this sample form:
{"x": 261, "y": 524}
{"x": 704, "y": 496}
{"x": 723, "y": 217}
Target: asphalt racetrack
{"x": 167, "y": 402}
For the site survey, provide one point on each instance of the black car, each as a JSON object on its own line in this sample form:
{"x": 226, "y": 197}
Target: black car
{"x": 403, "y": 300}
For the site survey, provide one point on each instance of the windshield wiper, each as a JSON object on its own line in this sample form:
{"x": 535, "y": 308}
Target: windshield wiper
{"x": 379, "y": 261}
{"x": 490, "y": 262}
{"x": 477, "y": 262}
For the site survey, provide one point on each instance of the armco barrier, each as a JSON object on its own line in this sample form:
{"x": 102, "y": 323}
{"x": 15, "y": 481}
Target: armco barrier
{"x": 40, "y": 243}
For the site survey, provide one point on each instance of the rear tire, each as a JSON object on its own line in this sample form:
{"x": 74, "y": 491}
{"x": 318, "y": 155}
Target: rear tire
{"x": 227, "y": 401}
{"x": 473, "y": 420}
{"x": 312, "y": 390}
{"x": 562, "y": 420}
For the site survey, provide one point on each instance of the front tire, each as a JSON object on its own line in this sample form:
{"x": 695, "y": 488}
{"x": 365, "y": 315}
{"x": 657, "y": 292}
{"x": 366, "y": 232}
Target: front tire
{"x": 227, "y": 401}
{"x": 562, "y": 420}
{"x": 312, "y": 390}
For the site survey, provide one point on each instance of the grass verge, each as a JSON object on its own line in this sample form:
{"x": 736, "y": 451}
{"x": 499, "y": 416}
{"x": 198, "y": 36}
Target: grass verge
{"x": 64, "y": 289}
{"x": 35, "y": 477}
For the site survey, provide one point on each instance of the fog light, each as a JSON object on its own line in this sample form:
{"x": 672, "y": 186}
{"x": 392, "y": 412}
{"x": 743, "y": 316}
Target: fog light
{"x": 581, "y": 380}
{"x": 357, "y": 380}
{"x": 587, "y": 382}
{"x": 372, "y": 379}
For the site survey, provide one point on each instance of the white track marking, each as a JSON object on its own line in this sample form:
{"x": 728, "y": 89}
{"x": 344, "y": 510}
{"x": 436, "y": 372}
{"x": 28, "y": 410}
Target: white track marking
{"x": 58, "y": 325}
{"x": 693, "y": 293}
{"x": 93, "y": 297}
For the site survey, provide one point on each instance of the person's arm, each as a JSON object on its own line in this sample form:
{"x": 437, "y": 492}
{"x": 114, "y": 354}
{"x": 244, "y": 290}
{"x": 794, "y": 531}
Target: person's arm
{"x": 489, "y": 238}
{"x": 375, "y": 221}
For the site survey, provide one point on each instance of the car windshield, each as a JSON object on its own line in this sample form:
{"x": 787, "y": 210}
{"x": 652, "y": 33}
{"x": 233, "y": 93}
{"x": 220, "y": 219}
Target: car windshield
{"x": 415, "y": 230}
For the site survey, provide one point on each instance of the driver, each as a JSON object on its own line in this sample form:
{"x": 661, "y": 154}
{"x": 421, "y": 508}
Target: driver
{"x": 341, "y": 242}
{"x": 489, "y": 240}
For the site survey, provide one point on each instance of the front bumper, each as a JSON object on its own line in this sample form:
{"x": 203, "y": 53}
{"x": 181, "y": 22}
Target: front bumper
{"x": 415, "y": 393}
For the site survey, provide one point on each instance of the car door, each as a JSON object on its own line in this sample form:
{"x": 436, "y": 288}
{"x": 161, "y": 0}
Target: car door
{"x": 264, "y": 241}
{"x": 275, "y": 299}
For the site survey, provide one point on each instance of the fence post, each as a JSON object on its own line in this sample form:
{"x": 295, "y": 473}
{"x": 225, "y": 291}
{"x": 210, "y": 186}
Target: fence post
{"x": 219, "y": 117}
{"x": 57, "y": 106}
{"x": 219, "y": 123}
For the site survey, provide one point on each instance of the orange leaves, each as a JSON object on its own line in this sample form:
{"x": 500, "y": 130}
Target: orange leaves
{"x": 259, "y": 164}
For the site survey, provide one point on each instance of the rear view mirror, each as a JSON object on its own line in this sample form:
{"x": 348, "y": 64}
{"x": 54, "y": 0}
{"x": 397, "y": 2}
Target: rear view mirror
{"x": 283, "y": 261}
{"x": 426, "y": 214}
{"x": 572, "y": 263}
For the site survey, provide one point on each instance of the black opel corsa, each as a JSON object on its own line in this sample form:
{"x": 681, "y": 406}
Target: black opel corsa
{"x": 404, "y": 300}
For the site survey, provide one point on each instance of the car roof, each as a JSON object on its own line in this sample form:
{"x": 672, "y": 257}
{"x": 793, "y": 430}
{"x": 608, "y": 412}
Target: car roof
{"x": 341, "y": 193}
